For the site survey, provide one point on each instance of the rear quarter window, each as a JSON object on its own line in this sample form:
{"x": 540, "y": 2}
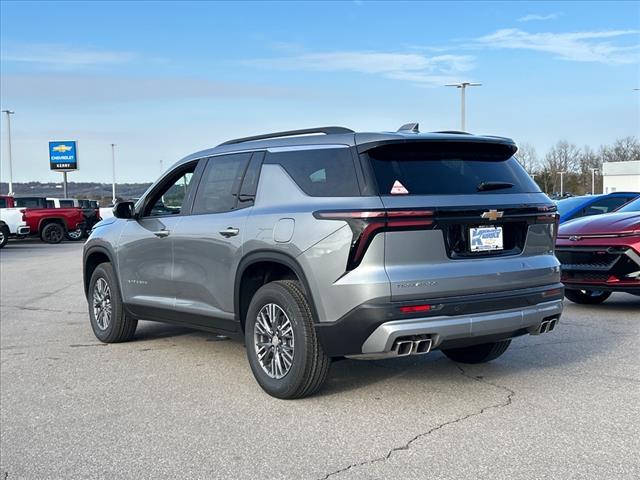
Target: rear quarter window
{"x": 432, "y": 169}
{"x": 325, "y": 172}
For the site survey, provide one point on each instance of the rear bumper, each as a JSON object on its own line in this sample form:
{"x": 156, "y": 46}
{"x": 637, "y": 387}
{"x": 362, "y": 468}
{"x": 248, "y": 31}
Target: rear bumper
{"x": 451, "y": 332}
{"x": 23, "y": 230}
{"x": 371, "y": 329}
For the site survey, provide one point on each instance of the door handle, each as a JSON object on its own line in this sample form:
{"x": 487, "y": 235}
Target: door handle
{"x": 230, "y": 232}
{"x": 161, "y": 233}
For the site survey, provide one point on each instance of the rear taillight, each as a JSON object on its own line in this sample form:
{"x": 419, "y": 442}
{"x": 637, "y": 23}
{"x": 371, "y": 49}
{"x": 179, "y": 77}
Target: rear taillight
{"x": 365, "y": 224}
{"x": 549, "y": 214}
{"x": 24, "y": 215}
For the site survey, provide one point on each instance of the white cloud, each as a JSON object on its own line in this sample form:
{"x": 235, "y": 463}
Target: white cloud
{"x": 64, "y": 57}
{"x": 532, "y": 17}
{"x": 576, "y": 46}
{"x": 414, "y": 67}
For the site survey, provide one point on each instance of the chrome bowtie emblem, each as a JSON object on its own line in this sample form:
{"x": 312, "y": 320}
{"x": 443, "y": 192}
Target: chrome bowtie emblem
{"x": 574, "y": 238}
{"x": 492, "y": 215}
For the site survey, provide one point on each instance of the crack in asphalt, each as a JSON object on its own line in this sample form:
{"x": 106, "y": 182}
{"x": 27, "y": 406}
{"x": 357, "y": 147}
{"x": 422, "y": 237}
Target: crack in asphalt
{"x": 406, "y": 446}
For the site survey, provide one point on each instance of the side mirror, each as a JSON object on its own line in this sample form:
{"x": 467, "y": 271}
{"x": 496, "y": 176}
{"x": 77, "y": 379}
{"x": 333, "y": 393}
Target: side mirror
{"x": 124, "y": 210}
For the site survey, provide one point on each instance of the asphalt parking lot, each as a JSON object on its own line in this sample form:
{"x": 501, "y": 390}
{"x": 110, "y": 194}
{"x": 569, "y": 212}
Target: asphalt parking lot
{"x": 176, "y": 403}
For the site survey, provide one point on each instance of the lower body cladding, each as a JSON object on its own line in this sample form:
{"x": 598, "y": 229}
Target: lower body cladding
{"x": 443, "y": 327}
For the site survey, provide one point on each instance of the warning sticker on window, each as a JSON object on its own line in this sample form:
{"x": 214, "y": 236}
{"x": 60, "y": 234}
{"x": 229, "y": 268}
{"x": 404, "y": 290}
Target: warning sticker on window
{"x": 398, "y": 189}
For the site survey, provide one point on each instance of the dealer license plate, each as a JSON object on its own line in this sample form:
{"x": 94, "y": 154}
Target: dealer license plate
{"x": 484, "y": 239}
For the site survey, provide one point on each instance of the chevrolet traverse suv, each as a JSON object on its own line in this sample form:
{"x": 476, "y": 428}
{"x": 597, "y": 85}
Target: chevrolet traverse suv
{"x": 325, "y": 243}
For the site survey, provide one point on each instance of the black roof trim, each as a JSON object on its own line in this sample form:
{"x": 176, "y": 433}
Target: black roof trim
{"x": 290, "y": 133}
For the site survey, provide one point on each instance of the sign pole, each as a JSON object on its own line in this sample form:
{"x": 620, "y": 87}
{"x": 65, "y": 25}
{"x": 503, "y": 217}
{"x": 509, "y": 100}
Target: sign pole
{"x": 64, "y": 184}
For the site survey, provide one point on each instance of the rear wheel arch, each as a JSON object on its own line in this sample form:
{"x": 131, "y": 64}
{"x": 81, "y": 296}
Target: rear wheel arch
{"x": 46, "y": 221}
{"x": 259, "y": 268}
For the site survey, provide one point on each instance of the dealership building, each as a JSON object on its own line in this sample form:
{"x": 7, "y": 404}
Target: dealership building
{"x": 621, "y": 177}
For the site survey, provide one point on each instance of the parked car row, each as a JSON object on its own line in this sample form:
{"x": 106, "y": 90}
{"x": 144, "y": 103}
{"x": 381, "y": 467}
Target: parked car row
{"x": 52, "y": 219}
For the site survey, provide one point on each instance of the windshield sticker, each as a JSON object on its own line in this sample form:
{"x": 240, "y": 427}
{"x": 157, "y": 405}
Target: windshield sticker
{"x": 398, "y": 189}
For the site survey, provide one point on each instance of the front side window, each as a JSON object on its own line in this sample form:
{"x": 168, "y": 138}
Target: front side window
{"x": 3, "y": 203}
{"x": 66, "y": 203}
{"x": 170, "y": 198}
{"x": 220, "y": 182}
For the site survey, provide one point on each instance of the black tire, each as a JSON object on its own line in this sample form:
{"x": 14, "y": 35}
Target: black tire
{"x": 310, "y": 365}
{"x": 482, "y": 353}
{"x": 4, "y": 235}
{"x": 75, "y": 235}
{"x": 120, "y": 327}
{"x": 586, "y": 297}
{"x": 52, "y": 233}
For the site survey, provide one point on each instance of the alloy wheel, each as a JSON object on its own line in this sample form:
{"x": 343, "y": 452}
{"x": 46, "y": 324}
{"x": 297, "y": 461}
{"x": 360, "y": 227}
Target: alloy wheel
{"x": 102, "y": 303}
{"x": 274, "y": 340}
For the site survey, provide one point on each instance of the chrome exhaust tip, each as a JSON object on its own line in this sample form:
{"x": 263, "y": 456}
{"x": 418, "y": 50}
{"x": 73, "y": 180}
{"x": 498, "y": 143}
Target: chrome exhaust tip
{"x": 542, "y": 328}
{"x": 422, "y": 346}
{"x": 552, "y": 324}
{"x": 404, "y": 348}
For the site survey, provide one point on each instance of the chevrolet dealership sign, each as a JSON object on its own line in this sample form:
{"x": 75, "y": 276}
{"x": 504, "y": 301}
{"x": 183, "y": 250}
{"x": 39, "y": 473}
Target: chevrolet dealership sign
{"x": 63, "y": 156}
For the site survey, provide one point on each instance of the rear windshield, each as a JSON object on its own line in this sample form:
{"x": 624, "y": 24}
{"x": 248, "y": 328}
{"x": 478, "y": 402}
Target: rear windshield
{"x": 431, "y": 169}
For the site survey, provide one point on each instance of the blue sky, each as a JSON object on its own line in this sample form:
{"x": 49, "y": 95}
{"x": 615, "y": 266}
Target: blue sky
{"x": 164, "y": 79}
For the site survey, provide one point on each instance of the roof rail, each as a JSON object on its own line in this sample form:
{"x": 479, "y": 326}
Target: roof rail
{"x": 291, "y": 133}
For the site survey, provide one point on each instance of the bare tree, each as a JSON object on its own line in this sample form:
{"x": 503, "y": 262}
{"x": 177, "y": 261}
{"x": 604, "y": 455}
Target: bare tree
{"x": 528, "y": 157}
{"x": 623, "y": 150}
{"x": 588, "y": 160}
{"x": 563, "y": 157}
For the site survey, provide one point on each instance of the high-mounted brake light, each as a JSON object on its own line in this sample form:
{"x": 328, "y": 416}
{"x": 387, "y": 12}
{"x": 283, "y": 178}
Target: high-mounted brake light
{"x": 365, "y": 224}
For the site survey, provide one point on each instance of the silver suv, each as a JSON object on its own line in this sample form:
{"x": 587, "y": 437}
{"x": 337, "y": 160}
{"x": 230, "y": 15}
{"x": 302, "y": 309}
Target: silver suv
{"x": 325, "y": 243}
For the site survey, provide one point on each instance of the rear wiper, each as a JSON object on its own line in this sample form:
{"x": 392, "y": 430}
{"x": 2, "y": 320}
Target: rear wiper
{"x": 484, "y": 186}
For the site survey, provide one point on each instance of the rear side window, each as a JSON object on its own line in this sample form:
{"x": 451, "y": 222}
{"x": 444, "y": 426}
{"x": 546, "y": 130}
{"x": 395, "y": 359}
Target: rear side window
{"x": 220, "y": 183}
{"x": 66, "y": 203}
{"x": 3, "y": 203}
{"x": 323, "y": 172}
{"x": 447, "y": 169}
{"x": 31, "y": 203}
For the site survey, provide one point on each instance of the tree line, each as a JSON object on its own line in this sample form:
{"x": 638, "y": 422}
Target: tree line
{"x": 576, "y": 162}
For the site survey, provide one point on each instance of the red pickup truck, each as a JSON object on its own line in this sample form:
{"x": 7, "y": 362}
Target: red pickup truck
{"x": 51, "y": 224}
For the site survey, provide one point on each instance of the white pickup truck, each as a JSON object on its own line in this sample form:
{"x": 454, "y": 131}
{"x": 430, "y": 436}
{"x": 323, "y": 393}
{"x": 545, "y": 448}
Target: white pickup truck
{"x": 11, "y": 222}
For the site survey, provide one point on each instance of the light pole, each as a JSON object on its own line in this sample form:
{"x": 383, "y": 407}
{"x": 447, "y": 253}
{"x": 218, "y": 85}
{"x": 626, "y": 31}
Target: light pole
{"x": 561, "y": 183}
{"x": 593, "y": 180}
{"x": 462, "y": 86}
{"x": 113, "y": 171}
{"x": 9, "y": 113}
